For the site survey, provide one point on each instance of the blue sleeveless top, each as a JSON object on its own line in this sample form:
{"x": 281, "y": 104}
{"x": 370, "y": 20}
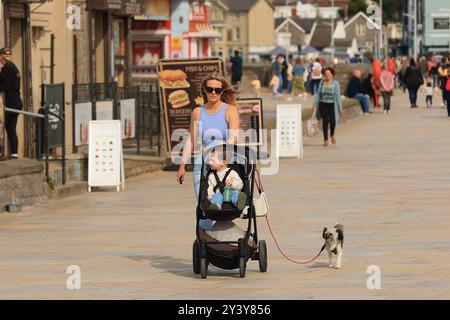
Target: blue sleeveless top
{"x": 214, "y": 126}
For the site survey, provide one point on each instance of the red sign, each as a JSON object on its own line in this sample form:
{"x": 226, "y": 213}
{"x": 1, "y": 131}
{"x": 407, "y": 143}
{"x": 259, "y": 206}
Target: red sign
{"x": 147, "y": 53}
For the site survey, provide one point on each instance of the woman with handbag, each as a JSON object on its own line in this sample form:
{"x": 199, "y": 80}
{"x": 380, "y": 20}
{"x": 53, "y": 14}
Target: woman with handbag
{"x": 328, "y": 104}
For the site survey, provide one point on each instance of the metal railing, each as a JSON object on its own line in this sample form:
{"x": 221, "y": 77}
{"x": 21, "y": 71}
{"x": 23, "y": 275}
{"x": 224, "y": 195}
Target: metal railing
{"x": 147, "y": 112}
{"x": 45, "y": 117}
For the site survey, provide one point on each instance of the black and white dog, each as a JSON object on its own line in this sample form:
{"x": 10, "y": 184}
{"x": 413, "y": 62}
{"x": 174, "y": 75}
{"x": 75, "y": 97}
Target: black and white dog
{"x": 334, "y": 242}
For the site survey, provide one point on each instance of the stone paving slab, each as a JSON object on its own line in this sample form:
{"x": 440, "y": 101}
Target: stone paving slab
{"x": 387, "y": 180}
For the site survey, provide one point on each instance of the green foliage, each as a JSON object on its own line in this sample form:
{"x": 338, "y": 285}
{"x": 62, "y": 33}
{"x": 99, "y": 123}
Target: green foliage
{"x": 392, "y": 9}
{"x": 354, "y": 6}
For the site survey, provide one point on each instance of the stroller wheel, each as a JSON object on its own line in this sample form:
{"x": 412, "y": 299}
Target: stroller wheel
{"x": 196, "y": 257}
{"x": 242, "y": 267}
{"x": 262, "y": 250}
{"x": 204, "y": 268}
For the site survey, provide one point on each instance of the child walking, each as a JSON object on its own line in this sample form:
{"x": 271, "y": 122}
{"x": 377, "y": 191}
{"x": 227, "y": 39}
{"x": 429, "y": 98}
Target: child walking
{"x": 275, "y": 83}
{"x": 429, "y": 92}
{"x": 256, "y": 84}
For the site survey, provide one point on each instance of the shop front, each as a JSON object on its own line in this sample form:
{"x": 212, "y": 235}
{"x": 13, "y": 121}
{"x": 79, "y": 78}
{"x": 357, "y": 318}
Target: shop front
{"x": 110, "y": 39}
{"x": 151, "y": 37}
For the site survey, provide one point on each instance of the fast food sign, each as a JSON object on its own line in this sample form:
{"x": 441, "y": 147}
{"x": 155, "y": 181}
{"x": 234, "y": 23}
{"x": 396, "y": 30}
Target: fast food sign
{"x": 179, "y": 84}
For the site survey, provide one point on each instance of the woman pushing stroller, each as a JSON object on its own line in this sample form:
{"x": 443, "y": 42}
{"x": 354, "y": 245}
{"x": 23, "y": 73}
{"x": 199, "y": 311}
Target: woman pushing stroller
{"x": 219, "y": 121}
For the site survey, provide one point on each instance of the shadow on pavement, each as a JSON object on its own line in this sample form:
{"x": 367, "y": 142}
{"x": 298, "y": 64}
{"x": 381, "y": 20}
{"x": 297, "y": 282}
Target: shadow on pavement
{"x": 181, "y": 267}
{"x": 319, "y": 265}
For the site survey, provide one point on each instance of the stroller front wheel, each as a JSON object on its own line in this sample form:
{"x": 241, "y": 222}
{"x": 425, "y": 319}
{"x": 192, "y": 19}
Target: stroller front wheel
{"x": 242, "y": 267}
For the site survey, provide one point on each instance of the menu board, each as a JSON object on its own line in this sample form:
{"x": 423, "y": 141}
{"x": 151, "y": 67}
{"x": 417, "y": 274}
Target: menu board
{"x": 289, "y": 131}
{"x": 251, "y": 117}
{"x": 105, "y": 155}
{"x": 179, "y": 83}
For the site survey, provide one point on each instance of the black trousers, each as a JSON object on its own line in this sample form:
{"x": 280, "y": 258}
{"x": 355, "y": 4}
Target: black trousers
{"x": 236, "y": 78}
{"x": 329, "y": 118}
{"x": 10, "y": 126}
{"x": 387, "y": 100}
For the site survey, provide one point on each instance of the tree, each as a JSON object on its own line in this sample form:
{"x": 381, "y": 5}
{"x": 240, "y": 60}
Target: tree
{"x": 354, "y": 6}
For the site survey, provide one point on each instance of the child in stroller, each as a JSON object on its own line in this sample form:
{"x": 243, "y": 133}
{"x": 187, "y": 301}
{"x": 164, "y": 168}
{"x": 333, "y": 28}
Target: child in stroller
{"x": 223, "y": 180}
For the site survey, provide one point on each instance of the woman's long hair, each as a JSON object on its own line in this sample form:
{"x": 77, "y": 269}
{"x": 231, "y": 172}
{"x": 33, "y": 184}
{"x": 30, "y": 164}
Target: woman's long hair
{"x": 228, "y": 95}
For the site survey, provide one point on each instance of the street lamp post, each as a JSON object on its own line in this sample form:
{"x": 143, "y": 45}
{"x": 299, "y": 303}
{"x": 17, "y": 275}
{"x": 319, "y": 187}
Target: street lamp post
{"x": 380, "y": 40}
{"x": 414, "y": 17}
{"x": 332, "y": 31}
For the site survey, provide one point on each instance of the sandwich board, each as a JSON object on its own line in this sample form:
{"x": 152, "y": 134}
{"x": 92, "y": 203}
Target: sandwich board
{"x": 106, "y": 168}
{"x": 179, "y": 82}
{"x": 289, "y": 131}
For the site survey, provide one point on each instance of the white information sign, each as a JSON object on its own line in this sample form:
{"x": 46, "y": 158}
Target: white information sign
{"x": 105, "y": 155}
{"x": 128, "y": 118}
{"x": 83, "y": 114}
{"x": 104, "y": 110}
{"x": 289, "y": 131}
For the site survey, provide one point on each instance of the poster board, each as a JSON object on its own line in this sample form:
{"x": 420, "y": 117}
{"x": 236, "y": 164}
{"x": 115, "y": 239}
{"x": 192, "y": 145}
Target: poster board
{"x": 54, "y": 101}
{"x": 248, "y": 109}
{"x": 104, "y": 110}
{"x": 105, "y": 155}
{"x": 289, "y": 131}
{"x": 83, "y": 115}
{"x": 180, "y": 96}
{"x": 128, "y": 118}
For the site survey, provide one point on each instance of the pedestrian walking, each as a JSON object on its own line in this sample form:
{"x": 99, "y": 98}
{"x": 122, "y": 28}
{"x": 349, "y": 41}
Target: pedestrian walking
{"x": 236, "y": 68}
{"x": 355, "y": 90}
{"x": 219, "y": 121}
{"x": 10, "y": 86}
{"x": 375, "y": 81}
{"x": 275, "y": 85}
{"x": 283, "y": 74}
{"x": 298, "y": 80}
{"x": 413, "y": 81}
{"x": 387, "y": 84}
{"x": 428, "y": 88}
{"x": 423, "y": 67}
{"x": 289, "y": 78}
{"x": 256, "y": 85}
{"x": 368, "y": 85}
{"x": 443, "y": 73}
{"x": 434, "y": 73}
{"x": 446, "y": 89}
{"x": 316, "y": 76}
{"x": 328, "y": 104}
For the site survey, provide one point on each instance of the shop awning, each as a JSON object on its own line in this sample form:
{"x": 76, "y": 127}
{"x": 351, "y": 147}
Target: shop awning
{"x": 202, "y": 30}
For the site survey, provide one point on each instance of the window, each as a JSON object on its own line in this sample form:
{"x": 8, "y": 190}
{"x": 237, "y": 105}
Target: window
{"x": 229, "y": 35}
{"x": 237, "y": 33}
{"x": 360, "y": 30}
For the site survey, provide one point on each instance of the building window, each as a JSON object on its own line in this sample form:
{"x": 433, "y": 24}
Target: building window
{"x": 360, "y": 30}
{"x": 229, "y": 35}
{"x": 237, "y": 33}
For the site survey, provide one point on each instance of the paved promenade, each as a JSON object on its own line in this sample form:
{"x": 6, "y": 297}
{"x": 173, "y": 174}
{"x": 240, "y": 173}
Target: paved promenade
{"x": 387, "y": 180}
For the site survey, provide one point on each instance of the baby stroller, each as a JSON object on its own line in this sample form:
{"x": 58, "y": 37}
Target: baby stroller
{"x": 229, "y": 254}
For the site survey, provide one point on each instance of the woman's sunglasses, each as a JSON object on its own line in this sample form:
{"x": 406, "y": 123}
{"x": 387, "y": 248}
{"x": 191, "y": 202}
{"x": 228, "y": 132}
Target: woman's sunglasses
{"x": 216, "y": 90}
